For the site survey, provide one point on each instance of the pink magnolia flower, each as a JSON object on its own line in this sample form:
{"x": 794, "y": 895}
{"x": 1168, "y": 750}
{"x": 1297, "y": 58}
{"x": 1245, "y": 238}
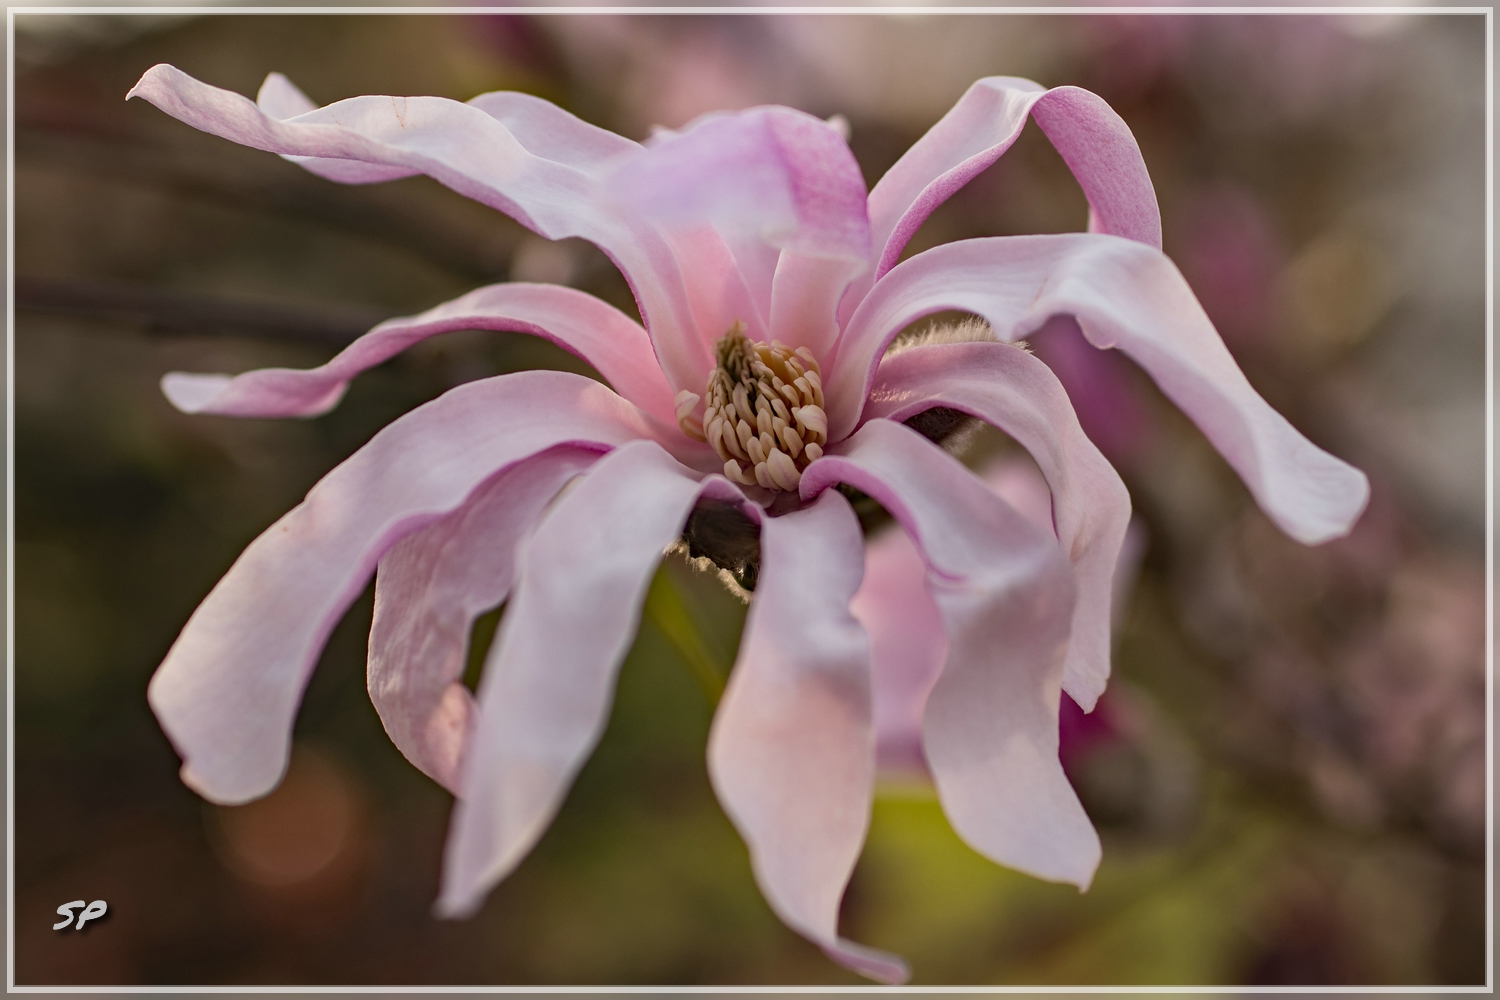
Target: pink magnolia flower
{"x": 769, "y": 285}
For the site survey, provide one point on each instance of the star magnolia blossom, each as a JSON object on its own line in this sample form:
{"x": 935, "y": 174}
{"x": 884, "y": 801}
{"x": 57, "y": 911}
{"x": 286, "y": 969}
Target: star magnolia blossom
{"x": 769, "y": 284}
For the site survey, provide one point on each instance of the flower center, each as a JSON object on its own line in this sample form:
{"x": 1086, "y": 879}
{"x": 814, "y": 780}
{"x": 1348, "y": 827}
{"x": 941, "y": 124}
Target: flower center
{"x": 763, "y": 412}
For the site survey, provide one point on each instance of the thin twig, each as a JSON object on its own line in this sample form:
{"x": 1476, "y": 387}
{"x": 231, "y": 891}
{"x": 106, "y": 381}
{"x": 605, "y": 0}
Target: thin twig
{"x": 272, "y": 189}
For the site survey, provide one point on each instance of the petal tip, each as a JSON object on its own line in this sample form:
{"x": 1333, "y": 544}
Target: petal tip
{"x": 221, "y": 793}
{"x": 154, "y": 71}
{"x": 192, "y": 393}
{"x": 881, "y": 966}
{"x": 1331, "y": 512}
{"x": 268, "y": 392}
{"x": 1085, "y": 878}
{"x": 1084, "y": 690}
{"x": 455, "y": 906}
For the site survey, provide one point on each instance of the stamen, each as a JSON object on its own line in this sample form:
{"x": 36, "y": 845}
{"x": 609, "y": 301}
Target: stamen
{"x": 764, "y": 412}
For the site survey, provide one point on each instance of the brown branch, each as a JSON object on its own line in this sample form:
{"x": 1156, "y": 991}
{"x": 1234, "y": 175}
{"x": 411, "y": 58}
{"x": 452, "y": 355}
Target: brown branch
{"x": 160, "y": 310}
{"x": 272, "y": 188}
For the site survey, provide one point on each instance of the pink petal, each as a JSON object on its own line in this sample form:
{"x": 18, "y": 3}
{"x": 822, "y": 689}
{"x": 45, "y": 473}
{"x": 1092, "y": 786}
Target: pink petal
{"x": 228, "y": 689}
{"x": 455, "y": 143}
{"x": 470, "y": 151}
{"x": 545, "y": 694}
{"x": 717, "y": 289}
{"x": 597, "y": 332}
{"x": 908, "y": 646}
{"x": 429, "y": 589}
{"x": 773, "y": 172}
{"x": 1124, "y": 294}
{"x": 757, "y": 263}
{"x": 550, "y": 132}
{"x": 805, "y": 296}
{"x": 1004, "y": 386}
{"x": 770, "y": 175}
{"x": 1006, "y": 598}
{"x": 1095, "y": 143}
{"x": 791, "y": 753}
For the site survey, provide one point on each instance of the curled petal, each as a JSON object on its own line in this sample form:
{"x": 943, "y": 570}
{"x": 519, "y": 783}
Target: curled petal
{"x": 792, "y": 752}
{"x": 430, "y": 587}
{"x": 1126, "y": 295}
{"x": 1094, "y": 142}
{"x": 228, "y": 689}
{"x": 552, "y": 133}
{"x": 1006, "y": 598}
{"x": 471, "y": 151}
{"x": 544, "y": 697}
{"x": 595, "y": 331}
{"x": 282, "y": 99}
{"x": 1007, "y": 387}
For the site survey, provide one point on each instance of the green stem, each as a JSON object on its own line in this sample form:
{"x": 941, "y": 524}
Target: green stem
{"x": 667, "y": 612}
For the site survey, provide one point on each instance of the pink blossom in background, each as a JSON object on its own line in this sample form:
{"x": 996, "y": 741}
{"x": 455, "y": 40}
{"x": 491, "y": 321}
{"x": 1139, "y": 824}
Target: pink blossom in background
{"x": 1231, "y": 256}
{"x": 1134, "y": 52}
{"x": 768, "y": 282}
{"x": 1102, "y": 388}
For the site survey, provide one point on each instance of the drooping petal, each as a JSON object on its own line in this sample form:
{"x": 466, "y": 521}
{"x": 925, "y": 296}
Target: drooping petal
{"x": 430, "y": 587}
{"x": 474, "y": 153}
{"x": 1008, "y": 388}
{"x": 1004, "y": 590}
{"x": 792, "y": 753}
{"x": 228, "y": 689}
{"x": 594, "y": 330}
{"x": 778, "y": 176}
{"x": 545, "y": 693}
{"x": 1094, "y": 142}
{"x": 1126, "y": 295}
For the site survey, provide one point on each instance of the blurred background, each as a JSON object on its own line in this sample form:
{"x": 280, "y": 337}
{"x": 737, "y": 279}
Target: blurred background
{"x": 1288, "y": 772}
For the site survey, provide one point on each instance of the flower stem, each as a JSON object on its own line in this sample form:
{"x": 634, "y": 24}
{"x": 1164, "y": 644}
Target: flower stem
{"x": 667, "y": 612}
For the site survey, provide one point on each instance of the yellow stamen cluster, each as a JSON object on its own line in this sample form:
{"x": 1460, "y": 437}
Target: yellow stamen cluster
{"x": 764, "y": 412}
